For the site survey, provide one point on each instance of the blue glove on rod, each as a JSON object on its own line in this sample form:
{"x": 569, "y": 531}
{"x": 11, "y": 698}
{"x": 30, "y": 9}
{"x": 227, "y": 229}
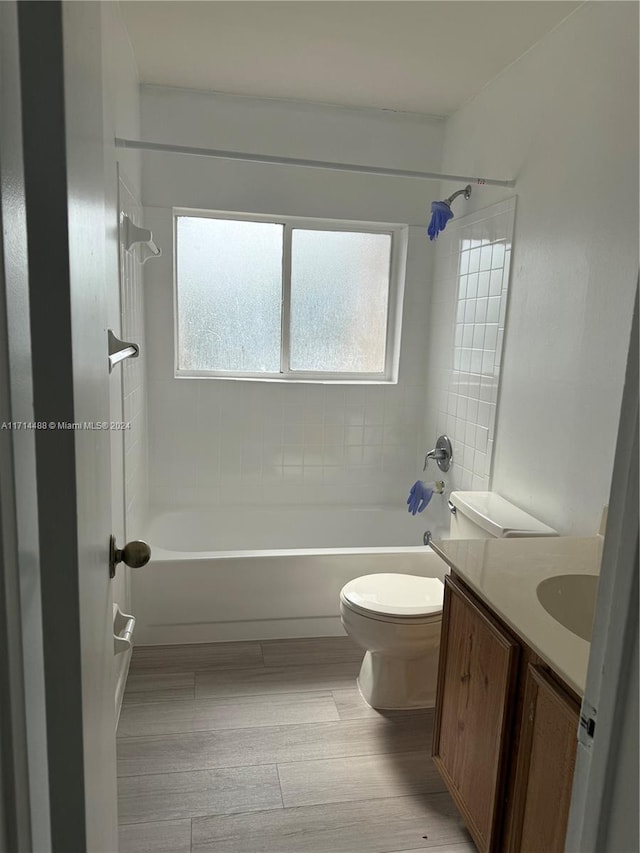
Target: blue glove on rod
{"x": 420, "y": 495}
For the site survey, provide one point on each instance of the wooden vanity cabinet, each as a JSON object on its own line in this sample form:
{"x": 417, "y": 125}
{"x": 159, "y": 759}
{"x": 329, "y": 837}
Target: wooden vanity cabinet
{"x": 505, "y": 731}
{"x": 476, "y": 683}
{"x": 545, "y": 765}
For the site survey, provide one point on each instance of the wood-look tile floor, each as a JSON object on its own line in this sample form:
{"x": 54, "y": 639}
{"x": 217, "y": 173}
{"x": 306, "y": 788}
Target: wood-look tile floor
{"x": 267, "y": 747}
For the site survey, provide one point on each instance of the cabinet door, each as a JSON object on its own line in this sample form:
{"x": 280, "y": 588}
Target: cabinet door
{"x": 546, "y": 760}
{"x": 476, "y": 686}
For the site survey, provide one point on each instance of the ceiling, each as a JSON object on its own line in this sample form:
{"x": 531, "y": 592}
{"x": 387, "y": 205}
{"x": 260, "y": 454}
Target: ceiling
{"x": 425, "y": 56}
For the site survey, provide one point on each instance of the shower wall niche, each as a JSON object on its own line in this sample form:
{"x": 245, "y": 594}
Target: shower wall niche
{"x": 468, "y": 316}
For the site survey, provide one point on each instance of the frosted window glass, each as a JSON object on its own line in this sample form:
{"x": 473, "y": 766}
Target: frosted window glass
{"x": 229, "y": 276}
{"x": 339, "y": 301}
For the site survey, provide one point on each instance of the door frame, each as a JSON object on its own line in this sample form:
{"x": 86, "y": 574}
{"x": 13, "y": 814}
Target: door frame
{"x": 24, "y": 786}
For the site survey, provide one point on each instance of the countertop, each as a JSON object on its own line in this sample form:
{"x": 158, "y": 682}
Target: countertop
{"x": 504, "y": 573}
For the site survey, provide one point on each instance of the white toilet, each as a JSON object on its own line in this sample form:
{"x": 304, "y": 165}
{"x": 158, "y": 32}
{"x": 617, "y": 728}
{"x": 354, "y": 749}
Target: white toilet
{"x": 396, "y": 617}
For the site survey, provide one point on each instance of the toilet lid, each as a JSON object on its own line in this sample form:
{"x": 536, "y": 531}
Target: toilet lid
{"x": 395, "y": 594}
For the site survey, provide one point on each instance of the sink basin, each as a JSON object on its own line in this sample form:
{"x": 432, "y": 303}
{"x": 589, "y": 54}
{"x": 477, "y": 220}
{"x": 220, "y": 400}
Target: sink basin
{"x": 571, "y": 600}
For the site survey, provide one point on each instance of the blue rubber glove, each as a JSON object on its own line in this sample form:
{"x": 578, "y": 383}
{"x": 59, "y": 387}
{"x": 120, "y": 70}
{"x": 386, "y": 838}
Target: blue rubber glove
{"x": 419, "y": 497}
{"x": 441, "y": 213}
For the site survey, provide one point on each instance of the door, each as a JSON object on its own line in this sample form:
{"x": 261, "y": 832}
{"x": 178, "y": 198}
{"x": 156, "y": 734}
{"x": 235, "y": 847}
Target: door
{"x": 546, "y": 761}
{"x": 60, "y": 65}
{"x": 476, "y": 683}
{"x": 605, "y": 791}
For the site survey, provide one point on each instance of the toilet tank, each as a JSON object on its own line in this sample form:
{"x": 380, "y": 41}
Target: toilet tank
{"x": 487, "y": 515}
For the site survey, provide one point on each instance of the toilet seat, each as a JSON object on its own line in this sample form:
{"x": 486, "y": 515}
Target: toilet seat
{"x": 391, "y": 597}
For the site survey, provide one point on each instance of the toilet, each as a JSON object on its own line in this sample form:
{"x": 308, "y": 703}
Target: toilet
{"x": 396, "y": 618}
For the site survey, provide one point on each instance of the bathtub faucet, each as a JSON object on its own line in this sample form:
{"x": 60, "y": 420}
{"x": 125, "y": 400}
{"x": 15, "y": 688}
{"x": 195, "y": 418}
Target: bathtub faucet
{"x": 442, "y": 453}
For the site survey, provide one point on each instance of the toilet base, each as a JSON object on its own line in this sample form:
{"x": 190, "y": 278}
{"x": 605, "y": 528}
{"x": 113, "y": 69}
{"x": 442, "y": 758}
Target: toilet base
{"x": 395, "y": 683}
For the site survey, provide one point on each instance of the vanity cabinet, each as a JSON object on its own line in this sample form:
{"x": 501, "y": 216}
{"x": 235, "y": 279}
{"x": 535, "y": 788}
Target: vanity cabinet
{"x": 476, "y": 682}
{"x": 545, "y": 765}
{"x": 505, "y": 731}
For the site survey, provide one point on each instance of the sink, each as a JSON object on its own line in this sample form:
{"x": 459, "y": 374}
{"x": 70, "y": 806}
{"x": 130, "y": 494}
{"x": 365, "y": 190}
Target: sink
{"x": 571, "y": 600}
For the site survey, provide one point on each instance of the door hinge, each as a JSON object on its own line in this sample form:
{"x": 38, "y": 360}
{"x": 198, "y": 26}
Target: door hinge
{"x": 587, "y": 726}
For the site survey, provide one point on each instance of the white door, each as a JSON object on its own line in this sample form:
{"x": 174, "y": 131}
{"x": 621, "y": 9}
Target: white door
{"x": 60, "y": 62}
{"x": 604, "y": 805}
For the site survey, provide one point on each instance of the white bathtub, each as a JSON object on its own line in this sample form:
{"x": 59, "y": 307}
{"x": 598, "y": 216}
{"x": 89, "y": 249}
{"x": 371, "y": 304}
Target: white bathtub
{"x": 221, "y": 575}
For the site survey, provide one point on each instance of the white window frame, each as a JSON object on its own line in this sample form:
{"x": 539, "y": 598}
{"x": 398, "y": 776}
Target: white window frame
{"x": 397, "y": 264}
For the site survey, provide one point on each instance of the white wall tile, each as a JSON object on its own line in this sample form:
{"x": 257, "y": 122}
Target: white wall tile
{"x": 471, "y": 385}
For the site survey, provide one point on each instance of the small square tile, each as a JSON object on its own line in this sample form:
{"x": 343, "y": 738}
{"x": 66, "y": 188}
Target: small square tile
{"x": 491, "y": 336}
{"x": 483, "y": 283}
{"x": 472, "y": 286}
{"x": 484, "y": 413}
{"x": 332, "y": 434}
{"x": 467, "y": 457}
{"x": 478, "y": 336}
{"x": 493, "y": 309}
{"x": 495, "y": 282}
{"x": 479, "y": 483}
{"x": 353, "y": 436}
{"x": 373, "y": 434}
{"x": 485, "y": 258}
{"x": 480, "y": 463}
{"x": 313, "y": 455}
{"x": 476, "y": 360}
{"x": 481, "y": 309}
{"x": 354, "y": 415}
{"x": 481, "y": 437}
{"x": 488, "y": 362}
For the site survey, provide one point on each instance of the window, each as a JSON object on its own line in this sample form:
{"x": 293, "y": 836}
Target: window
{"x": 289, "y": 299}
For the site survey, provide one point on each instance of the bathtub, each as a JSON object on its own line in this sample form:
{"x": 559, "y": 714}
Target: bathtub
{"x": 249, "y": 574}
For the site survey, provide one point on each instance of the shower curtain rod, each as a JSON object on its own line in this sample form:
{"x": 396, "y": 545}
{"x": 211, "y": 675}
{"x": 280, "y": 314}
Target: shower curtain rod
{"x": 309, "y": 164}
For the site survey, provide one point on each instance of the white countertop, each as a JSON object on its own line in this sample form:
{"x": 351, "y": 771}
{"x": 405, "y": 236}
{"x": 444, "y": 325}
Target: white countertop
{"x": 504, "y": 573}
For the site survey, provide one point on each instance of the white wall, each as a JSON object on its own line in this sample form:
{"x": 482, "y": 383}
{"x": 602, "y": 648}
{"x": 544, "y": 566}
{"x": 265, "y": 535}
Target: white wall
{"x": 219, "y": 441}
{"x": 563, "y": 120}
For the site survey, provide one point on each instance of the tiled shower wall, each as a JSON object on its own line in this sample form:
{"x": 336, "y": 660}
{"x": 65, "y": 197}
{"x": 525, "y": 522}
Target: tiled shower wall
{"x": 133, "y": 375}
{"x": 467, "y": 322}
{"x": 256, "y": 443}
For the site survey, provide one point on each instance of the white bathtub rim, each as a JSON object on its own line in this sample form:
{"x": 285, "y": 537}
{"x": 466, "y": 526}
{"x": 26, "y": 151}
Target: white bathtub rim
{"x": 163, "y": 555}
